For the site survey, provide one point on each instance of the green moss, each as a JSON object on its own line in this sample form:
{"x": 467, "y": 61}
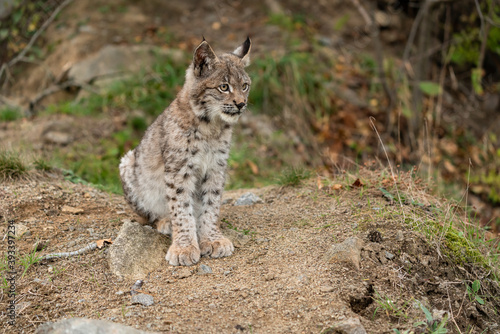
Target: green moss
{"x": 461, "y": 250}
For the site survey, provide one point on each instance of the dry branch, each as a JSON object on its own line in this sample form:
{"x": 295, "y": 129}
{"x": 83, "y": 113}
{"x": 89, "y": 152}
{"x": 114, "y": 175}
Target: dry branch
{"x": 87, "y": 248}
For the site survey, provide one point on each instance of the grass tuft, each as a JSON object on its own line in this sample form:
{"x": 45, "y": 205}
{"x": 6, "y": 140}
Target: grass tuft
{"x": 293, "y": 176}
{"x": 11, "y": 166}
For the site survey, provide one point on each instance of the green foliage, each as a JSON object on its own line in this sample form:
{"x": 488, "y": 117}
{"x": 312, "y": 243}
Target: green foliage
{"x": 293, "y": 176}
{"x": 390, "y": 307}
{"x": 431, "y": 326}
{"x": 11, "y": 165}
{"x": 473, "y": 290}
{"x": 42, "y": 165}
{"x": 28, "y": 260}
{"x": 9, "y": 114}
{"x": 430, "y": 88}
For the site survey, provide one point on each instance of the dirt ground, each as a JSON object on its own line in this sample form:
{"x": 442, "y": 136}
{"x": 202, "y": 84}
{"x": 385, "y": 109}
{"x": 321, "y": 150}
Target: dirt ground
{"x": 278, "y": 281}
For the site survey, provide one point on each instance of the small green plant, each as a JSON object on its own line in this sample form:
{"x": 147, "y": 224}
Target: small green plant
{"x": 432, "y": 326}
{"x": 391, "y": 308}
{"x": 293, "y": 176}
{"x": 472, "y": 292}
{"x": 28, "y": 260}
{"x": 9, "y": 114}
{"x": 42, "y": 165}
{"x": 11, "y": 166}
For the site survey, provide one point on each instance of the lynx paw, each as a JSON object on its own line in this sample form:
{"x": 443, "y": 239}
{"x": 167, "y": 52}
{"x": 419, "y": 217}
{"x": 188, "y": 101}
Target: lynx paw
{"x": 183, "y": 256}
{"x": 217, "y": 248}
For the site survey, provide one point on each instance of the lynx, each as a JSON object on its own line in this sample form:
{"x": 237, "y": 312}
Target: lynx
{"x": 176, "y": 175}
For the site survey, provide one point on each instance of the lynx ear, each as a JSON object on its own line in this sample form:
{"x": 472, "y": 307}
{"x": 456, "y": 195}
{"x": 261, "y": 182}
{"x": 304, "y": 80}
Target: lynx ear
{"x": 204, "y": 59}
{"x": 243, "y": 51}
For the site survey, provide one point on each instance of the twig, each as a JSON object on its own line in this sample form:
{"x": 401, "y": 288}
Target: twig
{"x": 89, "y": 247}
{"x": 38, "y": 33}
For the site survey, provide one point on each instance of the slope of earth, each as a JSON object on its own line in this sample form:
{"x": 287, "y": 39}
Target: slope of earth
{"x": 278, "y": 280}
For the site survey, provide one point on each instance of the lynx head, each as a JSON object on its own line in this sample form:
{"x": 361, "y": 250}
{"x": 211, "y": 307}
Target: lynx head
{"x": 219, "y": 85}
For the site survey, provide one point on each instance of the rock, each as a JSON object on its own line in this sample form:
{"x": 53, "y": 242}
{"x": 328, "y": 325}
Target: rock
{"x": 143, "y": 299}
{"x": 348, "y": 251}
{"x": 72, "y": 210}
{"x": 115, "y": 59}
{"x": 248, "y": 199}
{"x": 399, "y": 235}
{"x": 348, "y": 326}
{"x": 204, "y": 269}
{"x": 21, "y": 230}
{"x": 326, "y": 288}
{"x": 183, "y": 273}
{"x": 87, "y": 326}
{"x": 239, "y": 239}
{"x": 59, "y": 132}
{"x": 137, "y": 251}
{"x": 389, "y": 255}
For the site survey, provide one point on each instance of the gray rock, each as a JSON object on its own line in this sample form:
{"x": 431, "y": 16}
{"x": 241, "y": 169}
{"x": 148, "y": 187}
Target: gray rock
{"x": 21, "y": 230}
{"x": 348, "y": 251}
{"x": 204, "y": 269}
{"x": 86, "y": 326}
{"x": 143, "y": 299}
{"x": 137, "y": 251}
{"x": 239, "y": 239}
{"x": 115, "y": 59}
{"x": 348, "y": 326}
{"x": 248, "y": 199}
{"x": 389, "y": 255}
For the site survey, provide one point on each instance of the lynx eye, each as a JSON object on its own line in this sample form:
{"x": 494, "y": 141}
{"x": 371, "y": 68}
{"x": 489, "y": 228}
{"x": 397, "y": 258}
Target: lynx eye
{"x": 224, "y": 87}
{"x": 245, "y": 87}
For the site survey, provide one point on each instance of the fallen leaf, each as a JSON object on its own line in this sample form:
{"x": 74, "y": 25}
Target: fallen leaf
{"x": 70, "y": 209}
{"x": 319, "y": 183}
{"x": 253, "y": 167}
{"x": 100, "y": 243}
{"x": 357, "y": 183}
{"x": 337, "y": 186}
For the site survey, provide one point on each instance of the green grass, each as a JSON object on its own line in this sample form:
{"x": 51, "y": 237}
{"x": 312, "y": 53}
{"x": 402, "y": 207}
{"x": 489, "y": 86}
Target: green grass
{"x": 293, "y": 176}
{"x": 9, "y": 114}
{"x": 28, "y": 260}
{"x": 11, "y": 165}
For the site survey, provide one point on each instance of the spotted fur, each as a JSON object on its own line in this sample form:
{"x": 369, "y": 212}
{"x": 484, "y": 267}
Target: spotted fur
{"x": 176, "y": 175}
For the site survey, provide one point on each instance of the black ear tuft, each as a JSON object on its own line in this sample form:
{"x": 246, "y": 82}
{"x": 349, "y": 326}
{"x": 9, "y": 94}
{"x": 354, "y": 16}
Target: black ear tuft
{"x": 243, "y": 51}
{"x": 203, "y": 59}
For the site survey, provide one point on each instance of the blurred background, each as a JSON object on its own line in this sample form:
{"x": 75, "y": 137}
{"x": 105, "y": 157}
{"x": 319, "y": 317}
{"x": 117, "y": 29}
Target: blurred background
{"x": 337, "y": 85}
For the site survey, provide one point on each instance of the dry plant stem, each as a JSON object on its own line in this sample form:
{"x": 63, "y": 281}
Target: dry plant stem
{"x": 87, "y": 248}
{"x": 372, "y": 119}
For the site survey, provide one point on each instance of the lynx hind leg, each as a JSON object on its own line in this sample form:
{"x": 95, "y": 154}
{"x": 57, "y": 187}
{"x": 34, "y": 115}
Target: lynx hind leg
{"x": 164, "y": 226}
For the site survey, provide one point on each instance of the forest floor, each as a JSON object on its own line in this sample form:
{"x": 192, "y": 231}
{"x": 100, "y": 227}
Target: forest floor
{"x": 279, "y": 278}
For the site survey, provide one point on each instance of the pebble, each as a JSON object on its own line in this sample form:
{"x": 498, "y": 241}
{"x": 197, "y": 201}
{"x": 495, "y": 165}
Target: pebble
{"x": 204, "y": 269}
{"x": 143, "y": 299}
{"x": 72, "y": 210}
{"x": 212, "y": 305}
{"x": 389, "y": 255}
{"x": 119, "y": 293}
{"x": 183, "y": 273}
{"x": 248, "y": 199}
{"x": 326, "y": 288}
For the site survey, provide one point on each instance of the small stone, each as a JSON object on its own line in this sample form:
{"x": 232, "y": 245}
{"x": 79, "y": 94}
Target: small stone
{"x": 248, "y": 199}
{"x": 348, "y": 326}
{"x": 212, "y": 305}
{"x": 119, "y": 293}
{"x": 348, "y": 251}
{"x": 89, "y": 326}
{"x": 326, "y": 288}
{"x": 20, "y": 230}
{"x": 389, "y": 255}
{"x": 183, "y": 273}
{"x": 269, "y": 277}
{"x": 204, "y": 269}
{"x": 399, "y": 235}
{"x": 72, "y": 210}
{"x": 239, "y": 239}
{"x": 227, "y": 272}
{"x": 143, "y": 299}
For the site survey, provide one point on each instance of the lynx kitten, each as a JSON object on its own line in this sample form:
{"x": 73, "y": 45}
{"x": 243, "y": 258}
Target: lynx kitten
{"x": 175, "y": 177}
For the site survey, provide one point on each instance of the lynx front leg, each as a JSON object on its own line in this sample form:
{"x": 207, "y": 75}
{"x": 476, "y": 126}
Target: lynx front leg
{"x": 184, "y": 250}
{"x": 212, "y": 242}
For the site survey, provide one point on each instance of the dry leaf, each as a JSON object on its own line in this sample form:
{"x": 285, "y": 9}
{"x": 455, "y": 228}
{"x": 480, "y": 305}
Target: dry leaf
{"x": 337, "y": 186}
{"x": 319, "y": 183}
{"x": 253, "y": 167}
{"x": 357, "y": 183}
{"x": 100, "y": 243}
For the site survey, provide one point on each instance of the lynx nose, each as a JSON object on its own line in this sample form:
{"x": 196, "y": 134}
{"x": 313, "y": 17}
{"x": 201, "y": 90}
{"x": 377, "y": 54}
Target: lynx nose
{"x": 239, "y": 105}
